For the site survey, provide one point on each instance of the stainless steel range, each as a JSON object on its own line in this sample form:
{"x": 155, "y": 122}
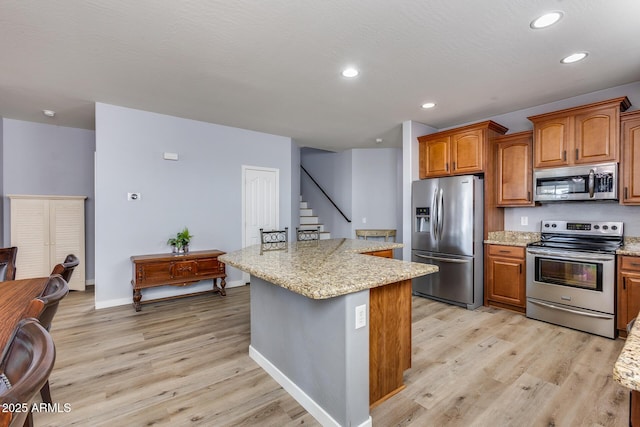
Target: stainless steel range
{"x": 571, "y": 275}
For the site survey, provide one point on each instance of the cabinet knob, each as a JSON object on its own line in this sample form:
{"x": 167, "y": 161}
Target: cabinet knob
{"x": 564, "y": 155}
{"x": 577, "y": 151}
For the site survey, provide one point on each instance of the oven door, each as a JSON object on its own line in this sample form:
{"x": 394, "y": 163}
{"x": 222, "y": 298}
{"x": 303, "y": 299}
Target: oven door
{"x": 578, "y": 279}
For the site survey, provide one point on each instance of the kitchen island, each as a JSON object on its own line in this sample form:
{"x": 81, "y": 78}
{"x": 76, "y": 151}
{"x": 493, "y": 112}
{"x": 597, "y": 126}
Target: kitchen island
{"x": 331, "y": 324}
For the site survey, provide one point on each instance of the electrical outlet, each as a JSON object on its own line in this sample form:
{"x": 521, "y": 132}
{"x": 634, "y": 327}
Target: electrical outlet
{"x": 364, "y": 220}
{"x": 524, "y": 220}
{"x": 134, "y": 196}
{"x": 361, "y": 316}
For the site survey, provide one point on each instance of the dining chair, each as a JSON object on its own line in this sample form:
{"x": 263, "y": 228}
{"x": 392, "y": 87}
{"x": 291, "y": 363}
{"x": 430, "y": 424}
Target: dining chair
{"x": 274, "y": 239}
{"x": 26, "y": 364}
{"x": 303, "y": 235}
{"x": 8, "y": 263}
{"x": 44, "y": 309}
{"x": 65, "y": 269}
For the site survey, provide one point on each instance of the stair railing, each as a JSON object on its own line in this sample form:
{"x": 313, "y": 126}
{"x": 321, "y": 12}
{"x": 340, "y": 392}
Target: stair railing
{"x": 325, "y": 193}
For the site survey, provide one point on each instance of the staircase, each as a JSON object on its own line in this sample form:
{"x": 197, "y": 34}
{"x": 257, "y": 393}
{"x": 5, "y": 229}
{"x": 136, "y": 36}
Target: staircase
{"x": 310, "y": 221}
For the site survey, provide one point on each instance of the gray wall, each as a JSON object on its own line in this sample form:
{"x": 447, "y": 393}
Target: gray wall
{"x": 2, "y": 182}
{"x": 202, "y": 190}
{"x": 45, "y": 159}
{"x": 333, "y": 171}
{"x": 314, "y": 344}
{"x": 364, "y": 184}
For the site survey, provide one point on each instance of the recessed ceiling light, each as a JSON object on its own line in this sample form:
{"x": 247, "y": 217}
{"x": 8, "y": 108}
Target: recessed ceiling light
{"x": 428, "y": 105}
{"x": 574, "y": 57}
{"x": 49, "y": 113}
{"x": 350, "y": 72}
{"x": 546, "y": 20}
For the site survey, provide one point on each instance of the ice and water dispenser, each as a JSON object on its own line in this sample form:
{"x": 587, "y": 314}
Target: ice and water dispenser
{"x": 422, "y": 220}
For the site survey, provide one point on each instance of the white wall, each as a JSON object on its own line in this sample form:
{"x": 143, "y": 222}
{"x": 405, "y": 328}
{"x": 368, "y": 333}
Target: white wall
{"x": 202, "y": 190}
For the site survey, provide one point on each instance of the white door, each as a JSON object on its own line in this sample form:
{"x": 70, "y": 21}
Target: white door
{"x": 260, "y": 202}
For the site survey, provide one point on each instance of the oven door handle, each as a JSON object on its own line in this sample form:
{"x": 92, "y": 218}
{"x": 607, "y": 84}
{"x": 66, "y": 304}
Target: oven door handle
{"x": 572, "y": 255}
{"x": 582, "y": 313}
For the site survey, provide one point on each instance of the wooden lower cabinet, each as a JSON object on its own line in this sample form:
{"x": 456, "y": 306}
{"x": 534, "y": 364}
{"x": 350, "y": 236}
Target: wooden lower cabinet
{"x": 628, "y": 291}
{"x": 150, "y": 271}
{"x": 389, "y": 336}
{"x": 505, "y": 271}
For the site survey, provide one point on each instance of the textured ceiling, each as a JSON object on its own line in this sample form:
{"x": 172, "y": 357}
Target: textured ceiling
{"x": 273, "y": 66}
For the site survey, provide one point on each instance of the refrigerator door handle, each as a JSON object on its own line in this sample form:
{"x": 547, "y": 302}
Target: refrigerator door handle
{"x": 441, "y": 214}
{"x": 434, "y": 215}
{"x": 437, "y": 258}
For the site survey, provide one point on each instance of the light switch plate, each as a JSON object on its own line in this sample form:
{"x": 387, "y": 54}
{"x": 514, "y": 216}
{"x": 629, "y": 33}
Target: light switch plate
{"x": 361, "y": 316}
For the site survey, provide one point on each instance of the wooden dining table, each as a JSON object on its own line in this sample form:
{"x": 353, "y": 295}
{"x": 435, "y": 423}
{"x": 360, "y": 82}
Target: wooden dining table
{"x": 15, "y": 297}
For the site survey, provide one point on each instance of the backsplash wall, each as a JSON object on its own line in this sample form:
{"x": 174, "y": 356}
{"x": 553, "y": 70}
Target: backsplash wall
{"x": 585, "y": 211}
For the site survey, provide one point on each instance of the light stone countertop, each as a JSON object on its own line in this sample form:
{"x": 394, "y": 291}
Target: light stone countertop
{"x": 326, "y": 268}
{"x": 631, "y": 247}
{"x": 512, "y": 238}
{"x": 626, "y": 370}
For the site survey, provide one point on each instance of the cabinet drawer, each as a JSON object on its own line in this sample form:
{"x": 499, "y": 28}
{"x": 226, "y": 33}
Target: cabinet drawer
{"x": 631, "y": 263}
{"x": 507, "y": 251}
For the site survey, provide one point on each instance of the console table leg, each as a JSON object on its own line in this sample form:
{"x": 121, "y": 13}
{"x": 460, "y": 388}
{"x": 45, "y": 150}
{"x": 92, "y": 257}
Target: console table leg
{"x": 223, "y": 283}
{"x": 137, "y": 296}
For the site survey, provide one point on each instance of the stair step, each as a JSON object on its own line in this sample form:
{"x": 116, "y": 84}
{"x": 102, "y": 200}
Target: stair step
{"x": 308, "y": 220}
{"x": 306, "y": 212}
{"x": 303, "y": 205}
{"x": 312, "y": 227}
{"x": 325, "y": 235}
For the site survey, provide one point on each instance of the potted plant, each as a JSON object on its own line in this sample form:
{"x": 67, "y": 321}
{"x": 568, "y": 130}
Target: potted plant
{"x": 180, "y": 243}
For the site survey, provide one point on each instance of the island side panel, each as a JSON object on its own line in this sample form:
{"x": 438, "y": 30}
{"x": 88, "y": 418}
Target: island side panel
{"x": 315, "y": 345}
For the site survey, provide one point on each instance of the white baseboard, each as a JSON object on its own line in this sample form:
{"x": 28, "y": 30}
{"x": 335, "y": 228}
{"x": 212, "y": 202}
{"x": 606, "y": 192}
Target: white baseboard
{"x": 113, "y": 303}
{"x": 297, "y": 393}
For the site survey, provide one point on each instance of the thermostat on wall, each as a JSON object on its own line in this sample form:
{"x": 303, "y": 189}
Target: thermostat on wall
{"x": 170, "y": 156}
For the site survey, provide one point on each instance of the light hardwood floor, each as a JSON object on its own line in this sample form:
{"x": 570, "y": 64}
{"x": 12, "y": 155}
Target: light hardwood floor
{"x": 185, "y": 362}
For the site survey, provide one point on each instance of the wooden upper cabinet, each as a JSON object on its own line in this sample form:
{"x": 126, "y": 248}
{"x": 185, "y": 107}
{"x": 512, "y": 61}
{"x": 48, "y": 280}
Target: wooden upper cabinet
{"x": 580, "y": 135}
{"x": 436, "y": 157}
{"x": 630, "y": 164}
{"x": 457, "y": 151}
{"x": 514, "y": 174}
{"x": 552, "y": 139}
{"x": 467, "y": 152}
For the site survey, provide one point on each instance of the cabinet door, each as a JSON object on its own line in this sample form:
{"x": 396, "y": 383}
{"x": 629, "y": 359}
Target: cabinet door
{"x": 514, "y": 174}
{"x": 66, "y": 222}
{"x": 596, "y": 136}
{"x": 437, "y": 157}
{"x": 30, "y": 234}
{"x": 506, "y": 281}
{"x": 551, "y": 142}
{"x": 630, "y": 162}
{"x": 632, "y": 284}
{"x": 467, "y": 152}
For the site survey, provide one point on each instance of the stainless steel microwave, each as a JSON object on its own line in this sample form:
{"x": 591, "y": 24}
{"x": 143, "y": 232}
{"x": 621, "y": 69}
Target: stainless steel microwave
{"x": 584, "y": 182}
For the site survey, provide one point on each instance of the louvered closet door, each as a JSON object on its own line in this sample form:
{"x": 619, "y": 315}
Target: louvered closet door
{"x": 67, "y": 237}
{"x": 46, "y": 230}
{"x": 30, "y": 234}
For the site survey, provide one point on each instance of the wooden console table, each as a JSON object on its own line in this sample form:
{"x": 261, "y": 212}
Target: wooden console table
{"x": 150, "y": 271}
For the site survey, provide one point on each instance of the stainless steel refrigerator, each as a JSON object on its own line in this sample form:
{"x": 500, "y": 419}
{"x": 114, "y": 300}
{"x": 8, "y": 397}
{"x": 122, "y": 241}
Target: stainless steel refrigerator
{"x": 448, "y": 232}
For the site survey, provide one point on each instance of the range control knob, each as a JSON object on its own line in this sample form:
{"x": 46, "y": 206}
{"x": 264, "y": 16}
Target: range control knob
{"x": 554, "y": 225}
{"x": 614, "y": 227}
{"x": 595, "y": 227}
{"x": 605, "y": 227}
{"x": 546, "y": 225}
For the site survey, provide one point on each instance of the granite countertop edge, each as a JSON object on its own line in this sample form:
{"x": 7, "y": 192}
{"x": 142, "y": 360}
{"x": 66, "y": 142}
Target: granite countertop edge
{"x": 512, "y": 238}
{"x": 626, "y": 370}
{"x": 333, "y": 268}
